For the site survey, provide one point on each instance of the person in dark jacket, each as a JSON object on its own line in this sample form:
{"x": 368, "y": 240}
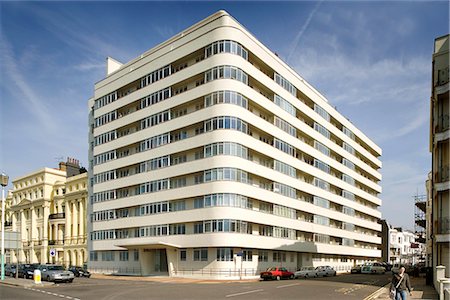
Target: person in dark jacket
{"x": 401, "y": 284}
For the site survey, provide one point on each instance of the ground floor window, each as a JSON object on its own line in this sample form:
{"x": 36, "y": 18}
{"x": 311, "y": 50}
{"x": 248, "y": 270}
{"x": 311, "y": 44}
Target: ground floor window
{"x": 123, "y": 255}
{"x": 201, "y": 254}
{"x": 224, "y": 254}
{"x": 247, "y": 255}
{"x": 263, "y": 256}
{"x": 107, "y": 256}
{"x": 278, "y": 256}
{"x": 93, "y": 256}
{"x": 136, "y": 255}
{"x": 183, "y": 255}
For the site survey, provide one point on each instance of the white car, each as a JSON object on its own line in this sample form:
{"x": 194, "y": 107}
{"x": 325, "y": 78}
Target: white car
{"x": 373, "y": 268}
{"x": 325, "y": 271}
{"x": 306, "y": 272}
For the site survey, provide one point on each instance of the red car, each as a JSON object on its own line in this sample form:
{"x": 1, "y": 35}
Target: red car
{"x": 276, "y": 273}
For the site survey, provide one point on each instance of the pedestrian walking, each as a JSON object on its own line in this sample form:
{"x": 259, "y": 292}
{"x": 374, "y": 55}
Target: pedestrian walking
{"x": 400, "y": 285}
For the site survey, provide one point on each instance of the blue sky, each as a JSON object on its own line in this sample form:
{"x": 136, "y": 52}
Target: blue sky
{"x": 372, "y": 60}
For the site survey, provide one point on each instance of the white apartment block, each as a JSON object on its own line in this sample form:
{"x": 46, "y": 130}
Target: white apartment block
{"x": 210, "y": 155}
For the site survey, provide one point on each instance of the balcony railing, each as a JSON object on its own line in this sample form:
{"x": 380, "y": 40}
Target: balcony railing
{"x": 8, "y": 223}
{"x": 57, "y": 216}
{"x": 55, "y": 242}
{"x": 26, "y": 244}
{"x": 37, "y": 243}
{"x": 443, "y": 225}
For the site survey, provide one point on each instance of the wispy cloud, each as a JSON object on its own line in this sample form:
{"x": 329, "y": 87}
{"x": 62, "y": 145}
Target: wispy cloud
{"x": 302, "y": 30}
{"x": 87, "y": 66}
{"x": 17, "y": 84}
{"x": 164, "y": 31}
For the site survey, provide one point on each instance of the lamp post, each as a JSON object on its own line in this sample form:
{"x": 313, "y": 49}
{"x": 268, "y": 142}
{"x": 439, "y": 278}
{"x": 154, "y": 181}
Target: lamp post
{"x": 4, "y": 182}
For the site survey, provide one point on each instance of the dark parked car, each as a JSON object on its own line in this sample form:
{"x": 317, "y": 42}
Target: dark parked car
{"x": 27, "y": 270}
{"x": 80, "y": 272}
{"x": 10, "y": 270}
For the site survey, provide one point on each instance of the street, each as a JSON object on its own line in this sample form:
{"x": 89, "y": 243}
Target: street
{"x": 348, "y": 286}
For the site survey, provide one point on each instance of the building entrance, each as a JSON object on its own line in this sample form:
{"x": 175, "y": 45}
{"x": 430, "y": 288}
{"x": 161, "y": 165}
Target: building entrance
{"x": 160, "y": 260}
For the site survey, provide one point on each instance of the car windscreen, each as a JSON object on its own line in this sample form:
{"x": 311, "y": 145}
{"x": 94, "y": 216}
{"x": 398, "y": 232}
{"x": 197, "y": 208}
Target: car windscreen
{"x": 55, "y": 268}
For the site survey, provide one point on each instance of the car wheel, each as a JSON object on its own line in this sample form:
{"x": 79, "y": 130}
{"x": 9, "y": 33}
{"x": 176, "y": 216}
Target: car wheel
{"x": 278, "y": 277}
{"x": 71, "y": 280}
{"x": 24, "y": 276}
{"x": 48, "y": 278}
{"x": 291, "y": 277}
{"x": 306, "y": 276}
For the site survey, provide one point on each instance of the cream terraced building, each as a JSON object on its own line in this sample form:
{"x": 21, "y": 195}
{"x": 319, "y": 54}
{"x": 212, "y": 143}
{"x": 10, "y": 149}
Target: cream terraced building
{"x": 210, "y": 155}
{"x": 47, "y": 208}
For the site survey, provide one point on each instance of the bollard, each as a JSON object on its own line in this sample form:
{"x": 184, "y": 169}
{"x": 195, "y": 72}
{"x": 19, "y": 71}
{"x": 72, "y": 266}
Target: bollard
{"x": 37, "y": 276}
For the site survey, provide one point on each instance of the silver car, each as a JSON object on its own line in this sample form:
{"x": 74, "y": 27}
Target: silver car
{"x": 323, "y": 271}
{"x": 55, "y": 273}
{"x": 306, "y": 272}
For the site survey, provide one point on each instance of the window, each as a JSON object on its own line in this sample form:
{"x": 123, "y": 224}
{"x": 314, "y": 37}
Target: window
{"x": 226, "y": 46}
{"x": 322, "y": 166}
{"x": 155, "y": 97}
{"x": 348, "y": 179}
{"x": 285, "y": 168}
{"x": 321, "y": 202}
{"x": 225, "y": 97}
{"x": 348, "y": 132}
{"x": 183, "y": 255}
{"x": 321, "y": 238}
{"x": 93, "y": 256}
{"x": 226, "y": 72}
{"x": 348, "y": 148}
{"x": 155, "y": 76}
{"x": 285, "y": 126}
{"x": 322, "y": 130}
{"x": 285, "y": 105}
{"x": 224, "y": 254}
{"x": 279, "y": 256}
{"x": 321, "y": 184}
{"x": 201, "y": 254}
{"x": 348, "y": 195}
{"x": 322, "y": 112}
{"x": 285, "y": 84}
{"x": 348, "y": 164}
{"x": 348, "y": 210}
{"x": 321, "y": 220}
{"x": 263, "y": 256}
{"x": 123, "y": 255}
{"x": 136, "y": 255}
{"x": 283, "y": 146}
{"x": 247, "y": 255}
{"x": 322, "y": 148}
{"x": 107, "y": 256}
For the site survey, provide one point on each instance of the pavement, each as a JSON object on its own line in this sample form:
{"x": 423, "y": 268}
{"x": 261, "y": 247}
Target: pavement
{"x": 30, "y": 283}
{"x": 420, "y": 291}
{"x": 24, "y": 282}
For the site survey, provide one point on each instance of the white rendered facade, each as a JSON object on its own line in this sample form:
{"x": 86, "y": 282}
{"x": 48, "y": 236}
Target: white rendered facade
{"x": 224, "y": 150}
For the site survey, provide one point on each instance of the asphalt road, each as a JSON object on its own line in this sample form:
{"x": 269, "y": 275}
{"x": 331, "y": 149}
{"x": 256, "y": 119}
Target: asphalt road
{"x": 349, "y": 286}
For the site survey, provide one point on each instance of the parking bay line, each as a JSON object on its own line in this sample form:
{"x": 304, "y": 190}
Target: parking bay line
{"x": 287, "y": 285}
{"x": 243, "y": 293}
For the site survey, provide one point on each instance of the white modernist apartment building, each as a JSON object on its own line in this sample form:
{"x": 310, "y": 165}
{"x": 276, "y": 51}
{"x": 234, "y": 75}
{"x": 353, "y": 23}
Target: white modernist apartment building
{"x": 210, "y": 155}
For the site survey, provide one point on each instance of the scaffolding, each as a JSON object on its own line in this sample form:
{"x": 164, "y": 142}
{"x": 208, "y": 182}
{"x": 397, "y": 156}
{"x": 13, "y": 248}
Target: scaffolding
{"x": 420, "y": 223}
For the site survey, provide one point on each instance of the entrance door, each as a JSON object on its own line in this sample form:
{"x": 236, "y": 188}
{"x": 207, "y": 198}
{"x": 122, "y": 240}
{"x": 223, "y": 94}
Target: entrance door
{"x": 160, "y": 260}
